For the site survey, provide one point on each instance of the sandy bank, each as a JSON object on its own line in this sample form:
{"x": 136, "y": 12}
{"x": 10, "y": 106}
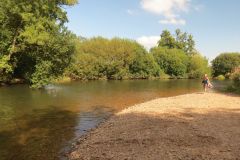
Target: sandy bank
{"x": 193, "y": 126}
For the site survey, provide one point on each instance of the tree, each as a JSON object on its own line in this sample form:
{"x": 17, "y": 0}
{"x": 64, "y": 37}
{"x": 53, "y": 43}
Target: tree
{"x": 34, "y": 31}
{"x": 167, "y": 40}
{"x": 100, "y": 58}
{"x": 198, "y": 66}
{"x": 174, "y": 62}
{"x": 190, "y": 48}
{"x": 5, "y": 68}
{"x": 144, "y": 66}
{"x": 225, "y": 63}
{"x": 235, "y": 76}
{"x": 181, "y": 40}
{"x": 177, "y": 56}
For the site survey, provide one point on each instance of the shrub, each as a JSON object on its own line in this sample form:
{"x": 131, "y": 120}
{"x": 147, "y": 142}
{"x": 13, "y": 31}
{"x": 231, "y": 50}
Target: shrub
{"x": 225, "y": 63}
{"x": 236, "y": 78}
{"x": 220, "y": 77}
{"x": 174, "y": 62}
{"x": 5, "y": 69}
{"x": 198, "y": 66}
{"x": 145, "y": 67}
{"x": 100, "y": 58}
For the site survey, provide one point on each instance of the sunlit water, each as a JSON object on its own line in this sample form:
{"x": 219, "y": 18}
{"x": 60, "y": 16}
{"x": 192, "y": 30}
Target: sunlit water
{"x": 42, "y": 124}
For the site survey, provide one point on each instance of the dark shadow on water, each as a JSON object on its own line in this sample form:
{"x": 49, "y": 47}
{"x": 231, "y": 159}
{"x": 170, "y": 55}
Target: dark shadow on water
{"x": 39, "y": 136}
{"x": 47, "y": 134}
{"x": 91, "y": 119}
{"x": 188, "y": 134}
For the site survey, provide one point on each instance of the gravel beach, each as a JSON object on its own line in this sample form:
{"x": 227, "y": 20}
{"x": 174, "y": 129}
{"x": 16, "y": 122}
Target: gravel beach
{"x": 194, "y": 126}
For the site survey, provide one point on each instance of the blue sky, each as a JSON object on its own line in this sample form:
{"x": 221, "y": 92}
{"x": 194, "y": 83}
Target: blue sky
{"x": 215, "y": 24}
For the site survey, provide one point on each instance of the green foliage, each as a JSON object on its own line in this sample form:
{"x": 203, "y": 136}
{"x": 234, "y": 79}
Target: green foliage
{"x": 181, "y": 40}
{"x": 220, "y": 77}
{"x": 177, "y": 56}
{"x": 235, "y": 76}
{"x": 225, "y": 63}
{"x": 145, "y": 67}
{"x": 5, "y": 68}
{"x": 33, "y": 33}
{"x": 174, "y": 62}
{"x": 100, "y": 58}
{"x": 167, "y": 40}
{"x": 190, "y": 46}
{"x": 198, "y": 66}
{"x": 41, "y": 75}
{"x": 36, "y": 46}
{"x": 85, "y": 67}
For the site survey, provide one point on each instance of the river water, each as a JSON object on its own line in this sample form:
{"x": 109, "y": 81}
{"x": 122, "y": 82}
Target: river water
{"x": 42, "y": 124}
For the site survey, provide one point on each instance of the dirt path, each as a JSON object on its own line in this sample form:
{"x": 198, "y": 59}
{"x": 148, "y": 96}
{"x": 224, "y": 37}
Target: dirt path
{"x": 194, "y": 126}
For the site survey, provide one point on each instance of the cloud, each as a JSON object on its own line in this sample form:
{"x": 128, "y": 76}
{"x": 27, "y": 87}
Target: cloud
{"x": 173, "y": 21}
{"x": 165, "y": 7}
{"x": 169, "y": 9}
{"x": 148, "y": 41}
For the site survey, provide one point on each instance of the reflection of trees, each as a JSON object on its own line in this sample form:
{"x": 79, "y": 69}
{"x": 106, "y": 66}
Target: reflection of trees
{"x": 40, "y": 135}
{"x": 6, "y": 114}
{"x": 7, "y": 118}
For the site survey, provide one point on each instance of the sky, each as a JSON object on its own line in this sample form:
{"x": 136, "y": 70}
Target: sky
{"x": 214, "y": 24}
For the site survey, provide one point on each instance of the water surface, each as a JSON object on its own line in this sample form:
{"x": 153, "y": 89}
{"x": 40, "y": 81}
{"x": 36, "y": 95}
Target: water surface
{"x": 42, "y": 124}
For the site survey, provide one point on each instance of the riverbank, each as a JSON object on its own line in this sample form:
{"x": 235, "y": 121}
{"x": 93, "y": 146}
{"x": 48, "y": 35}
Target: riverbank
{"x": 192, "y": 126}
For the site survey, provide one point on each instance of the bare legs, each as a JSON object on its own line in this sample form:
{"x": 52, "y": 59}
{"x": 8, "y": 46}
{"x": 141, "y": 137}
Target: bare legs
{"x": 205, "y": 87}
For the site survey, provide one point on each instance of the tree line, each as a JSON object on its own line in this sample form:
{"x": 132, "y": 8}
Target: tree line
{"x": 101, "y": 58}
{"x": 36, "y": 47}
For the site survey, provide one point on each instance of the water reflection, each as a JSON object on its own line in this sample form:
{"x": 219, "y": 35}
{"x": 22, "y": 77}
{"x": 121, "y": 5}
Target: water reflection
{"x": 39, "y": 135}
{"x": 39, "y": 125}
{"x": 90, "y": 119}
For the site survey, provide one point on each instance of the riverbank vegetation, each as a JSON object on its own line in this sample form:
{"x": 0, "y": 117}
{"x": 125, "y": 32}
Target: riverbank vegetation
{"x": 227, "y": 65}
{"x": 37, "y": 48}
{"x": 100, "y": 58}
{"x": 35, "y": 45}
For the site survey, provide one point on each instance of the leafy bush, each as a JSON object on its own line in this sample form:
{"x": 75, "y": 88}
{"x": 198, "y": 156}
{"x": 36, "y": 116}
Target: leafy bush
{"x": 220, "y": 77}
{"x": 6, "y": 69}
{"x": 174, "y": 62}
{"x": 100, "y": 58}
{"x": 225, "y": 63}
{"x": 198, "y": 66}
{"x": 40, "y": 77}
{"x": 236, "y": 78}
{"x": 145, "y": 67}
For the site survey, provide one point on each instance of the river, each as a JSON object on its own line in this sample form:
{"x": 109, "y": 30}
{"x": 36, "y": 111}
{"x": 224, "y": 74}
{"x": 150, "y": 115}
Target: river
{"x": 42, "y": 124}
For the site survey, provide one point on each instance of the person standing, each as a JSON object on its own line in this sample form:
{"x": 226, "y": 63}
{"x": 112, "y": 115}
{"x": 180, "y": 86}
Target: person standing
{"x": 206, "y": 83}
